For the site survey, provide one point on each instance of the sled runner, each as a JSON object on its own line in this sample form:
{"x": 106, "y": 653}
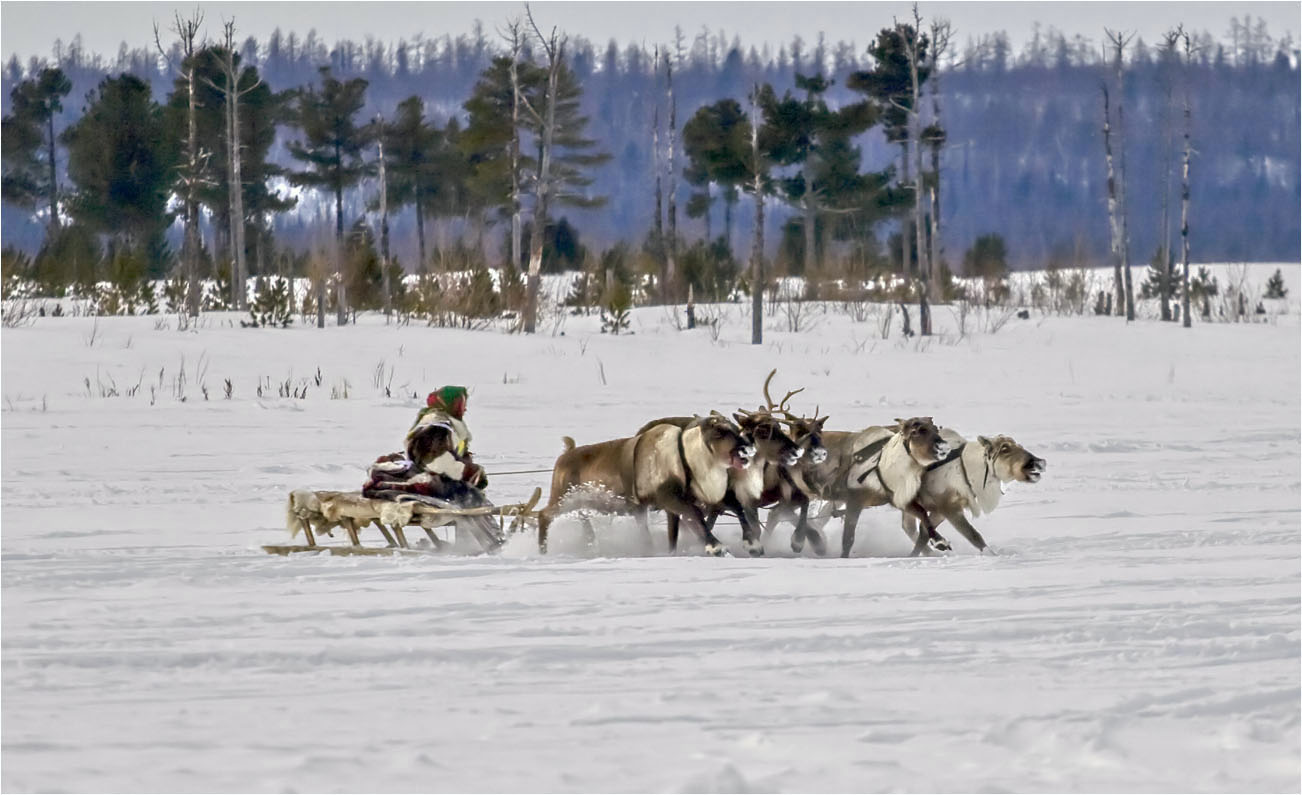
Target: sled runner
{"x": 317, "y": 513}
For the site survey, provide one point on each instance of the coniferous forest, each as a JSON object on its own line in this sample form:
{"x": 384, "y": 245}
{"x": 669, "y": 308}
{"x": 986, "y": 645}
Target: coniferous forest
{"x": 917, "y": 150}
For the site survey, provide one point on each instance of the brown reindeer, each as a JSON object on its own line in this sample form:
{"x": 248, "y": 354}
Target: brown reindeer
{"x": 665, "y": 467}
{"x": 744, "y": 495}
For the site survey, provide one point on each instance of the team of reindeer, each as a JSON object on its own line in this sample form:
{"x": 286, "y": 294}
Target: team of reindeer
{"x": 696, "y": 468}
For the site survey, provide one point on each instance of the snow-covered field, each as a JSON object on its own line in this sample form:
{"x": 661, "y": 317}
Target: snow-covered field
{"x": 1138, "y": 631}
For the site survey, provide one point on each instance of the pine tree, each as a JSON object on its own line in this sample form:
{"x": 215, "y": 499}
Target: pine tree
{"x": 410, "y": 151}
{"x": 331, "y": 152}
{"x": 716, "y": 142}
{"x": 807, "y": 134}
{"x": 121, "y": 162}
{"x": 27, "y": 142}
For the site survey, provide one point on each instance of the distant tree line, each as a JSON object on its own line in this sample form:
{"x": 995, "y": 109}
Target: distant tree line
{"x": 119, "y": 169}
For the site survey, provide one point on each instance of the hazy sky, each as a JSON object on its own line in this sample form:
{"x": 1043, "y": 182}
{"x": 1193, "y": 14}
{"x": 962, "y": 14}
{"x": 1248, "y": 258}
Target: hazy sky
{"x": 30, "y": 28}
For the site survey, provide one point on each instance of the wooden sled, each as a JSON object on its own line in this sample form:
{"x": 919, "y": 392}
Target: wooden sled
{"x": 317, "y": 513}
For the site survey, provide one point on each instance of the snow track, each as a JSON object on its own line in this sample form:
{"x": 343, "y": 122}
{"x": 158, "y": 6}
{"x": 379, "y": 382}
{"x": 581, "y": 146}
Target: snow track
{"x": 1138, "y": 631}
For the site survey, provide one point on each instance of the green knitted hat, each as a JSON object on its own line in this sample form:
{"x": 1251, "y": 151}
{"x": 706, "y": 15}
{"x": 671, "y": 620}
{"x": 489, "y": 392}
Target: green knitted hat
{"x": 445, "y": 398}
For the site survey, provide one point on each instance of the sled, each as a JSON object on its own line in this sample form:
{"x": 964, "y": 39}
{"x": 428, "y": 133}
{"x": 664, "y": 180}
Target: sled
{"x": 318, "y": 513}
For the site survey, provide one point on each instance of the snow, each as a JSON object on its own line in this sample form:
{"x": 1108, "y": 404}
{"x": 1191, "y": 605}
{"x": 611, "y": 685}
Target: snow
{"x": 1138, "y": 631}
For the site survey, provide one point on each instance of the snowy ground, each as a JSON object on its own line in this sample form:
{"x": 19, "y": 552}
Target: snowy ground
{"x": 1139, "y": 630}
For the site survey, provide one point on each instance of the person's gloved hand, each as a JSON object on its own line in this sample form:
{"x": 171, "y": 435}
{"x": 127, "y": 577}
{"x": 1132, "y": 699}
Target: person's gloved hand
{"x": 474, "y": 475}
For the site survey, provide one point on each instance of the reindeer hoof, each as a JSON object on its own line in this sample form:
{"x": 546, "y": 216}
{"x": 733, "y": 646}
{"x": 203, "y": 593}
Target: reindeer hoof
{"x": 817, "y": 543}
{"x": 754, "y": 548}
{"x": 797, "y": 544}
{"x": 939, "y": 545}
{"x": 715, "y": 550}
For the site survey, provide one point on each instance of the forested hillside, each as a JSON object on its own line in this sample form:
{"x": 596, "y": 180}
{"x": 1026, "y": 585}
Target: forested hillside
{"x": 1022, "y": 158}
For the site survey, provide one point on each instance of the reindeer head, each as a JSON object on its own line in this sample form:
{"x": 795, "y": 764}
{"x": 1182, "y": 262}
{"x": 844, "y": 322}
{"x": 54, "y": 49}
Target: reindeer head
{"x": 1011, "y": 461}
{"x": 725, "y": 441}
{"x": 923, "y": 439}
{"x": 808, "y": 435}
{"x": 771, "y": 442}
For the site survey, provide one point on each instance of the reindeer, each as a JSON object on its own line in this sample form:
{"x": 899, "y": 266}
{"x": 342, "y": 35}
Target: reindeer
{"x": 746, "y": 488}
{"x": 879, "y": 466}
{"x": 971, "y": 478}
{"x": 666, "y": 467}
{"x": 787, "y": 487}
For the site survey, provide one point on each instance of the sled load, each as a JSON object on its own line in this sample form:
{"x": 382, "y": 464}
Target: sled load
{"x": 316, "y": 514}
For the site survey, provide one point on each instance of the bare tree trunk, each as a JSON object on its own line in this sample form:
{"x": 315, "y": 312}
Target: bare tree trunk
{"x": 555, "y": 54}
{"x": 940, "y": 34}
{"x": 906, "y": 257}
{"x": 341, "y": 286}
{"x": 1184, "y": 191}
{"x": 1114, "y": 216}
{"x": 193, "y": 245}
{"x": 915, "y": 140}
{"x": 384, "y": 233}
{"x": 187, "y": 30}
{"x": 727, "y": 220}
{"x": 671, "y": 250}
{"x": 757, "y": 248}
{"x": 809, "y": 205}
{"x": 709, "y": 199}
{"x": 54, "y": 179}
{"x": 1166, "y": 284}
{"x": 658, "y": 224}
{"x": 516, "y": 225}
{"x": 1121, "y": 187}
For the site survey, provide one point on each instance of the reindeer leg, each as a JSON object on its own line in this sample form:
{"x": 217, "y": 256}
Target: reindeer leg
{"x": 965, "y": 528}
{"x": 776, "y": 515}
{"x": 588, "y": 531}
{"x": 640, "y": 516}
{"x": 805, "y": 532}
{"x": 690, "y": 514}
{"x": 750, "y": 525}
{"x": 928, "y": 532}
{"x": 545, "y": 517}
{"x": 852, "y": 509}
{"x": 671, "y": 524}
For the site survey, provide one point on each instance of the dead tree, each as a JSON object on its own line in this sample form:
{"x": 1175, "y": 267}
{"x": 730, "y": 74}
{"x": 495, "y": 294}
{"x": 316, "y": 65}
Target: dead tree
{"x": 940, "y": 36}
{"x": 235, "y": 185}
{"x": 1166, "y": 261}
{"x": 187, "y": 30}
{"x": 1184, "y": 179}
{"x": 1114, "y": 212}
{"x": 757, "y": 247}
{"x": 553, "y": 46}
{"x": 515, "y": 38}
{"x": 1119, "y": 41}
{"x": 659, "y": 203}
{"x": 671, "y": 250}
{"x": 914, "y": 51}
{"x": 384, "y": 223}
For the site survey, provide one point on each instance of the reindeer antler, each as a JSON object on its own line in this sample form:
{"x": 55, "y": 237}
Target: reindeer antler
{"x": 782, "y": 404}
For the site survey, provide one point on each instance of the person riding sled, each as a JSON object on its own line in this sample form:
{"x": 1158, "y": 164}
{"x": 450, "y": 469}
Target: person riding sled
{"x": 435, "y": 466}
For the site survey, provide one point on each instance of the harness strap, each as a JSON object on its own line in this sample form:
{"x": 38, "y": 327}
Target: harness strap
{"x": 867, "y": 451}
{"x": 687, "y": 470}
{"x": 957, "y": 453}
